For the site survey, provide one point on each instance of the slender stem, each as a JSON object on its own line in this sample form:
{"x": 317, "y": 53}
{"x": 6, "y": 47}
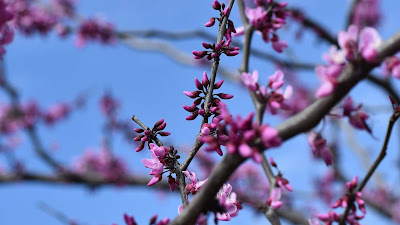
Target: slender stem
{"x": 179, "y": 175}
{"x": 209, "y": 95}
{"x": 378, "y": 160}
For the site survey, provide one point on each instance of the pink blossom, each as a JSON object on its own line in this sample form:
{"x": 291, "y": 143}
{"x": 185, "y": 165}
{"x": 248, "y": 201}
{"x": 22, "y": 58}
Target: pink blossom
{"x": 274, "y": 198}
{"x": 319, "y": 147}
{"x": 250, "y": 80}
{"x": 227, "y": 199}
{"x": 369, "y": 43}
{"x": 195, "y": 186}
{"x": 357, "y": 117}
{"x": 154, "y": 164}
{"x": 366, "y": 13}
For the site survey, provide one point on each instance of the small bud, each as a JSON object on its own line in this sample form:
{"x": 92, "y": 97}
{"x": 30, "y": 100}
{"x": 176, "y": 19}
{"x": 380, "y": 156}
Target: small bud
{"x": 199, "y": 54}
{"x": 138, "y": 130}
{"x": 164, "y": 133}
{"x": 161, "y": 127}
{"x": 140, "y": 147}
{"x": 218, "y": 84}
{"x": 226, "y": 11}
{"x": 206, "y": 45}
{"x": 214, "y": 55}
{"x": 192, "y": 117}
{"x": 153, "y": 219}
{"x": 225, "y": 96}
{"x": 231, "y": 53}
{"x": 158, "y": 123}
{"x": 197, "y": 101}
{"x": 201, "y": 112}
{"x": 216, "y": 5}
{"x": 205, "y": 80}
{"x": 192, "y": 94}
{"x": 218, "y": 47}
{"x": 271, "y": 160}
{"x": 198, "y": 84}
{"x": 210, "y": 23}
{"x": 190, "y": 108}
{"x": 138, "y": 137}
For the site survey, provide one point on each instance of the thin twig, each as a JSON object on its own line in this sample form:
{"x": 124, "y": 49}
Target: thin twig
{"x": 378, "y": 160}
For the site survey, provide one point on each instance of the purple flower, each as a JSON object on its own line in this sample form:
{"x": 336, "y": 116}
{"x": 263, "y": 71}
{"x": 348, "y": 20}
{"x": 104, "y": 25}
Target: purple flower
{"x": 227, "y": 199}
{"x": 319, "y": 147}
{"x": 274, "y": 198}
{"x": 195, "y": 186}
{"x": 250, "y": 80}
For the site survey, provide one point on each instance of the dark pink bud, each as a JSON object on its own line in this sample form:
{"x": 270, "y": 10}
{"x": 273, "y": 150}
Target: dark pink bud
{"x": 198, "y": 84}
{"x": 201, "y": 112}
{"x": 209, "y": 57}
{"x": 210, "y": 23}
{"x": 145, "y": 138}
{"x": 231, "y": 26}
{"x": 192, "y": 94}
{"x": 190, "y": 108}
{"x": 214, "y": 55}
{"x": 172, "y": 183}
{"x": 192, "y": 117}
{"x": 159, "y": 123}
{"x": 161, "y": 127}
{"x": 205, "y": 80}
{"x": 231, "y": 53}
{"x": 199, "y": 54}
{"x": 216, "y": 5}
{"x": 218, "y": 84}
{"x": 206, "y": 45}
{"x": 153, "y": 219}
{"x": 271, "y": 160}
{"x": 140, "y": 147}
{"x": 226, "y": 11}
{"x": 213, "y": 109}
{"x": 225, "y": 96}
{"x": 218, "y": 47}
{"x": 197, "y": 101}
{"x": 138, "y": 138}
{"x": 147, "y": 132}
{"x": 138, "y": 130}
{"x": 164, "y": 133}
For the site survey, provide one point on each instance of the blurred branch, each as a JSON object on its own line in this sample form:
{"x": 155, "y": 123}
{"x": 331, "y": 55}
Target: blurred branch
{"x": 73, "y": 179}
{"x": 56, "y": 214}
{"x": 351, "y": 12}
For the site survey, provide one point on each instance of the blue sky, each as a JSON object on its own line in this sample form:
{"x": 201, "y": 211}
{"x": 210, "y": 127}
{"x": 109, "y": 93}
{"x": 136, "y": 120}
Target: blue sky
{"x": 150, "y": 86}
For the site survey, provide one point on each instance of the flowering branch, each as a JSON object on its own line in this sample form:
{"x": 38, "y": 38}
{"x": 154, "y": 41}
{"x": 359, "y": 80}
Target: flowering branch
{"x": 352, "y": 196}
{"x": 209, "y": 96}
{"x": 299, "y": 123}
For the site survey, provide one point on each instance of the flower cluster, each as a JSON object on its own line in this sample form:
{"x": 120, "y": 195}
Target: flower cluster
{"x": 102, "y": 164}
{"x": 161, "y": 158}
{"x": 273, "y": 94}
{"x": 225, "y": 205}
{"x": 221, "y": 47}
{"x": 357, "y": 117}
{"x": 239, "y": 135}
{"x": 354, "y": 46}
{"x": 366, "y": 13}
{"x": 343, "y": 202}
{"x": 31, "y": 17}
{"x": 6, "y": 33}
{"x": 203, "y": 88}
{"x": 95, "y": 30}
{"x": 267, "y": 17}
{"x": 320, "y": 148}
{"x": 150, "y": 135}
